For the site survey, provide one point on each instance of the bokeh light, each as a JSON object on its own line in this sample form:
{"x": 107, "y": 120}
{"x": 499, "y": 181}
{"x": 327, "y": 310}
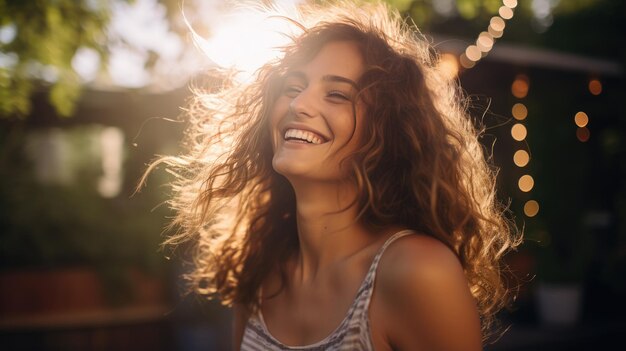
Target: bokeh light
{"x": 497, "y": 23}
{"x": 473, "y": 53}
{"x": 521, "y": 158}
{"x": 531, "y": 208}
{"x": 466, "y": 62}
{"x": 505, "y": 12}
{"x": 519, "y": 111}
{"x": 449, "y": 65}
{"x": 526, "y": 183}
{"x": 520, "y": 86}
{"x": 518, "y": 132}
{"x": 494, "y": 33}
{"x": 595, "y": 87}
{"x": 510, "y": 3}
{"x": 581, "y": 119}
{"x": 583, "y": 134}
{"x": 484, "y": 42}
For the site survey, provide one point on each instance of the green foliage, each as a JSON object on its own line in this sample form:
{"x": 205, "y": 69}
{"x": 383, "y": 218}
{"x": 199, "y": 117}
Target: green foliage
{"x": 48, "y": 34}
{"x": 401, "y": 5}
{"x": 56, "y": 225}
{"x": 468, "y": 9}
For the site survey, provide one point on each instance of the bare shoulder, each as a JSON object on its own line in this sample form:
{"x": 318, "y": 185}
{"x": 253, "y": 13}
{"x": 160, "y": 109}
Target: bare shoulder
{"x": 418, "y": 257}
{"x": 425, "y": 294}
{"x": 240, "y": 317}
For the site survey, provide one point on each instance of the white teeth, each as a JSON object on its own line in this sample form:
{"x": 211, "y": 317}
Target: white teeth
{"x": 303, "y": 135}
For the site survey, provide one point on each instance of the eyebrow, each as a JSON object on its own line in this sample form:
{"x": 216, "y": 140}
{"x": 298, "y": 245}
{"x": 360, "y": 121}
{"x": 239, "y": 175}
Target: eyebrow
{"x": 340, "y": 79}
{"x": 326, "y": 78}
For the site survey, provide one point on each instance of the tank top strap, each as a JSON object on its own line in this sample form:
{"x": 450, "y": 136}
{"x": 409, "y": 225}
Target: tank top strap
{"x": 371, "y": 274}
{"x": 352, "y": 334}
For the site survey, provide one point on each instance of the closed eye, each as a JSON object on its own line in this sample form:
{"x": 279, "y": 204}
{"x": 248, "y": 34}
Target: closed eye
{"x": 338, "y": 95}
{"x": 292, "y": 90}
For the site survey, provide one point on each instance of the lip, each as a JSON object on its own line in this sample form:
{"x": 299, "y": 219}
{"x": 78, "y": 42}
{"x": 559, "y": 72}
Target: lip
{"x": 324, "y": 137}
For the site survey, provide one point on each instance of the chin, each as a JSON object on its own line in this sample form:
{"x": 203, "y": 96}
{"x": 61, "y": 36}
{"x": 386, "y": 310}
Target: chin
{"x": 289, "y": 168}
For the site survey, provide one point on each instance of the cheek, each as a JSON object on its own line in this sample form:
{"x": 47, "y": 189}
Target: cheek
{"x": 348, "y": 129}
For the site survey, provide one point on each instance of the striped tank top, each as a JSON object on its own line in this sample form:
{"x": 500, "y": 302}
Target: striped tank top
{"x": 353, "y": 333}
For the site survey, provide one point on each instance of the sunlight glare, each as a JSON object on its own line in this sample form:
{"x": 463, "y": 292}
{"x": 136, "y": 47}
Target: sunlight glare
{"x": 246, "y": 39}
{"x": 86, "y": 62}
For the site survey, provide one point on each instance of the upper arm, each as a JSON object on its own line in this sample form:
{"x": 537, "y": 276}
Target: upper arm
{"x": 427, "y": 298}
{"x": 240, "y": 318}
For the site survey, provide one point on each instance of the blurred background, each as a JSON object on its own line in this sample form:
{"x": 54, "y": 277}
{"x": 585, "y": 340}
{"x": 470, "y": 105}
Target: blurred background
{"x": 92, "y": 90}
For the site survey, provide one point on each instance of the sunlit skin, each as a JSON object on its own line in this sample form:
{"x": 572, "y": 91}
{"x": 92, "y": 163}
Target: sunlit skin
{"x": 318, "y": 97}
{"x": 421, "y": 299}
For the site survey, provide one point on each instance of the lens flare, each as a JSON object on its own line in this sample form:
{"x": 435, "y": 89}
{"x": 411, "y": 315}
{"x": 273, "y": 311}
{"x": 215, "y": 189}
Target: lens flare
{"x": 246, "y": 39}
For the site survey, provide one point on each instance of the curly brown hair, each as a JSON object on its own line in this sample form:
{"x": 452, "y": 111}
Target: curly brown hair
{"x": 419, "y": 163}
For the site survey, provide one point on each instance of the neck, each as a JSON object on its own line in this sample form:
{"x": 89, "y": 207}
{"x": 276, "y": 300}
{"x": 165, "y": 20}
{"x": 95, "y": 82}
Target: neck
{"x": 328, "y": 226}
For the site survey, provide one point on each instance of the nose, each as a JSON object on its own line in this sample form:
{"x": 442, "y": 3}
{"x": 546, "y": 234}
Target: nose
{"x": 304, "y": 104}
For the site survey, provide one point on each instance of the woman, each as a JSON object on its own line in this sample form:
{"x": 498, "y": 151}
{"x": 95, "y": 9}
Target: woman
{"x": 342, "y": 200}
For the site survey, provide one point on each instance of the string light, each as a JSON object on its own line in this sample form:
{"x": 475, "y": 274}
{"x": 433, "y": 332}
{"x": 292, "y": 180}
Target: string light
{"x": 519, "y": 111}
{"x": 497, "y": 23}
{"x": 526, "y": 183}
{"x": 531, "y": 208}
{"x": 521, "y": 158}
{"x": 473, "y": 53}
{"x": 520, "y": 86}
{"x": 495, "y": 33}
{"x": 595, "y": 86}
{"x": 581, "y": 119}
{"x": 510, "y": 3}
{"x": 485, "y": 41}
{"x": 466, "y": 62}
{"x": 505, "y": 12}
{"x": 518, "y": 132}
{"x": 583, "y": 134}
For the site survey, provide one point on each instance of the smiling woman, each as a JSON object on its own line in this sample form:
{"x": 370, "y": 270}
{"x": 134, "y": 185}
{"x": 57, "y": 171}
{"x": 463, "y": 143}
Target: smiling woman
{"x": 317, "y": 103}
{"x": 341, "y": 200}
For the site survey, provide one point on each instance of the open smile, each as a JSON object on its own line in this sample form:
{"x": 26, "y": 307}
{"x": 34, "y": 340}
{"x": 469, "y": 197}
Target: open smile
{"x": 303, "y": 136}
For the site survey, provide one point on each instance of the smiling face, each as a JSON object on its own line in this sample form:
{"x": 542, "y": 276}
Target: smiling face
{"x": 313, "y": 124}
